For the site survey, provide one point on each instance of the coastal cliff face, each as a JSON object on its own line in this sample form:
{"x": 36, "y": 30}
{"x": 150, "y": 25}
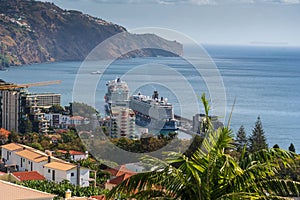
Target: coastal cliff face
{"x": 35, "y": 32}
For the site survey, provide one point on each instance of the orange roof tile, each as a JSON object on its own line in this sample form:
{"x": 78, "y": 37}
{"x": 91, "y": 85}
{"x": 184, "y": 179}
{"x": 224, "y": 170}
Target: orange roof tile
{"x": 25, "y": 176}
{"x": 119, "y": 179}
{"x": 72, "y": 152}
{"x": 60, "y": 166}
{"x": 100, "y": 197}
{"x": 33, "y": 156}
{"x": 118, "y": 171}
{"x": 12, "y": 146}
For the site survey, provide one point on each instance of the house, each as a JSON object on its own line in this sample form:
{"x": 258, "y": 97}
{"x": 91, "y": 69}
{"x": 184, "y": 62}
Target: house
{"x": 119, "y": 174}
{"x": 25, "y": 158}
{"x": 28, "y": 160}
{"x": 117, "y": 180}
{"x": 8, "y": 152}
{"x": 59, "y": 171}
{"x": 75, "y": 155}
{"x": 10, "y": 191}
{"x": 21, "y": 176}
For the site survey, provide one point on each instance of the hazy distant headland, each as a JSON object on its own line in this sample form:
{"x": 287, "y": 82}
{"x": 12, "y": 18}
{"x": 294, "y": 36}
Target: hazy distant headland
{"x": 36, "y": 32}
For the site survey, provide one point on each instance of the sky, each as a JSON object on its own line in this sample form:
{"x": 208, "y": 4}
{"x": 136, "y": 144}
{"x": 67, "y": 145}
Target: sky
{"x": 230, "y": 22}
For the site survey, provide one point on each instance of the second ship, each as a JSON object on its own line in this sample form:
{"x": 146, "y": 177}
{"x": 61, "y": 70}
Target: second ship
{"x": 154, "y": 113}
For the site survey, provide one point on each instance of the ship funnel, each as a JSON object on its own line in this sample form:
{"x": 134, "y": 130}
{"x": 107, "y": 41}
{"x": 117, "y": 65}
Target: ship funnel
{"x": 155, "y": 95}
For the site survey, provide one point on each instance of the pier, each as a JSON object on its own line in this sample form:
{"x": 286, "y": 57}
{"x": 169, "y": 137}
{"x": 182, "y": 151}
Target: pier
{"x": 185, "y": 125}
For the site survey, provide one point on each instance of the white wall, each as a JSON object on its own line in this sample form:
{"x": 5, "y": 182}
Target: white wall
{"x": 12, "y": 156}
{"x": 26, "y": 166}
{"x": 59, "y": 174}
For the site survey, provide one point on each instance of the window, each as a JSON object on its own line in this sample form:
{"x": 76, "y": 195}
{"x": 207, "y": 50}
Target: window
{"x": 72, "y": 174}
{"x": 49, "y": 170}
{"x": 28, "y": 162}
{"x": 21, "y": 162}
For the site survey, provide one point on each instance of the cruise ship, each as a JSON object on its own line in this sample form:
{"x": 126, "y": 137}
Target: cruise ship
{"x": 151, "y": 112}
{"x": 117, "y": 94}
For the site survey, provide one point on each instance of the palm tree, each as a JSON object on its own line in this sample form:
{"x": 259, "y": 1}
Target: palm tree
{"x": 212, "y": 173}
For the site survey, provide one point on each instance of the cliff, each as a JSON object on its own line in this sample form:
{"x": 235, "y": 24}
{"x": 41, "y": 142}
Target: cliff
{"x": 35, "y": 32}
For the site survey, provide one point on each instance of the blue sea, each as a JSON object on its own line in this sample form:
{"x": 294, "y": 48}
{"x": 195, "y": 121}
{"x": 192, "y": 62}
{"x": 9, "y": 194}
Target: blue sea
{"x": 264, "y": 81}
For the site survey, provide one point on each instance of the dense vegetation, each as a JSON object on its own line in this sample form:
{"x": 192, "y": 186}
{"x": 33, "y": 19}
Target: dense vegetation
{"x": 212, "y": 172}
{"x": 59, "y": 189}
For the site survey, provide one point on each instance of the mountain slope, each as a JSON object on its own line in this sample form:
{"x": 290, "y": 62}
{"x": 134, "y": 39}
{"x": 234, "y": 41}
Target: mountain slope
{"x": 34, "y": 32}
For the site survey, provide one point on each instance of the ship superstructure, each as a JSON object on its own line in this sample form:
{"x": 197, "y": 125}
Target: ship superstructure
{"x": 117, "y": 94}
{"x": 153, "y": 112}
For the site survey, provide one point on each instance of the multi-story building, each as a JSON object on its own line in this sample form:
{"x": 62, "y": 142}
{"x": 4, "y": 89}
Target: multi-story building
{"x": 42, "y": 100}
{"x": 10, "y": 109}
{"x": 122, "y": 122}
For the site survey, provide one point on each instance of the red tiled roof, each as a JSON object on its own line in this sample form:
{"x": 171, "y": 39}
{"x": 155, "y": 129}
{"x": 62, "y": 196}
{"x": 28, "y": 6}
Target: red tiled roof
{"x": 121, "y": 178}
{"x": 100, "y": 197}
{"x": 77, "y": 118}
{"x": 72, "y": 152}
{"x": 25, "y": 176}
{"x": 118, "y": 171}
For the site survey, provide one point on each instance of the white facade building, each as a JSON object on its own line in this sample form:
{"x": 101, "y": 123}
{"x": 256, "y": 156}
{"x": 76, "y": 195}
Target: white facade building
{"x": 29, "y": 159}
{"x": 58, "y": 171}
{"x": 8, "y": 153}
{"x": 122, "y": 122}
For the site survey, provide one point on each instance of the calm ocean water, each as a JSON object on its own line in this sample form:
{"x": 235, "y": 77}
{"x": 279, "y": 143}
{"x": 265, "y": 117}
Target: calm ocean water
{"x": 264, "y": 80}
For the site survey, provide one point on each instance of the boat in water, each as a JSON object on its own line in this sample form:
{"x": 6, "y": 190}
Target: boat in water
{"x": 96, "y": 72}
{"x": 154, "y": 113}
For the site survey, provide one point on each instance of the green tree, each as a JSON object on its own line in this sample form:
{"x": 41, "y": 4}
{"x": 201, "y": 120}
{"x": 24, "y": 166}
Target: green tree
{"x": 241, "y": 139}
{"x": 25, "y": 126}
{"x": 13, "y": 137}
{"x": 56, "y": 109}
{"x": 211, "y": 173}
{"x": 292, "y": 148}
{"x": 276, "y": 146}
{"x": 258, "y": 140}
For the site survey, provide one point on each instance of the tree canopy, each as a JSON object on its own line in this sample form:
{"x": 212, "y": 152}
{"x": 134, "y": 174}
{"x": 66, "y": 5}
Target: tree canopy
{"x": 211, "y": 173}
{"x": 257, "y": 139}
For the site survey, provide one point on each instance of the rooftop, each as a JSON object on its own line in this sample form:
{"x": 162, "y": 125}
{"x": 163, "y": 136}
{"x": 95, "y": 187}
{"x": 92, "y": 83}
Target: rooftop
{"x": 33, "y": 156}
{"x": 12, "y": 146}
{"x": 120, "y": 179}
{"x": 10, "y": 191}
{"x": 120, "y": 170}
{"x": 25, "y": 176}
{"x": 71, "y": 152}
{"x": 60, "y": 166}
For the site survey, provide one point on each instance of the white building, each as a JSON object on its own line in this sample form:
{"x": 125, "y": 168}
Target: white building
{"x": 122, "y": 122}
{"x": 29, "y": 159}
{"x": 58, "y": 171}
{"x": 8, "y": 152}
{"x": 75, "y": 155}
